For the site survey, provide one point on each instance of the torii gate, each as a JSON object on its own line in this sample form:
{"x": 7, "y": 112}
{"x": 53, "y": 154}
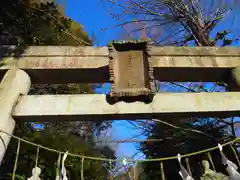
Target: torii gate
{"x": 83, "y": 64}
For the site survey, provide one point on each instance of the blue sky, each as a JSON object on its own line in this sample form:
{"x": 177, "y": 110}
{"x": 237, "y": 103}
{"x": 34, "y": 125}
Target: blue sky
{"x": 122, "y": 130}
{"x": 93, "y": 17}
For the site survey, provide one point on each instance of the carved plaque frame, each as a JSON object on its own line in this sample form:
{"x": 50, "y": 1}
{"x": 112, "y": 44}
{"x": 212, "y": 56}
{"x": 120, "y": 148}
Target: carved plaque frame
{"x": 131, "y": 71}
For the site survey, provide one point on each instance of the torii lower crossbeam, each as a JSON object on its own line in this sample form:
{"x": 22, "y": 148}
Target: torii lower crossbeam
{"x": 95, "y": 107}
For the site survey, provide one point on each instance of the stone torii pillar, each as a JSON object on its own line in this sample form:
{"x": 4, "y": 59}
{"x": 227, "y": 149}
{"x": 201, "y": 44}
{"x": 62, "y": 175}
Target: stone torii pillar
{"x": 14, "y": 83}
{"x": 234, "y": 79}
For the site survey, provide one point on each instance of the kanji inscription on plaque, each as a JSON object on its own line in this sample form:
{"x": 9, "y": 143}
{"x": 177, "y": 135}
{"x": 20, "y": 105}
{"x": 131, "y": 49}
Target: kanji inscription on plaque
{"x": 131, "y": 71}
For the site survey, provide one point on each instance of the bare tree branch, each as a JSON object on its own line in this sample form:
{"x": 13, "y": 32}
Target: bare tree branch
{"x": 184, "y": 129}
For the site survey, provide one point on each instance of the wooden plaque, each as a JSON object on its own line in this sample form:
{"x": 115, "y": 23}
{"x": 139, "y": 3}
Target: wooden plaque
{"x": 130, "y": 69}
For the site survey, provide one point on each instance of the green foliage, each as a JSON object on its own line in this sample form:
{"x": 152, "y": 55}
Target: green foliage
{"x": 31, "y": 22}
{"x": 61, "y": 140}
{"x": 74, "y": 89}
{"x": 221, "y": 37}
{"x": 183, "y": 142}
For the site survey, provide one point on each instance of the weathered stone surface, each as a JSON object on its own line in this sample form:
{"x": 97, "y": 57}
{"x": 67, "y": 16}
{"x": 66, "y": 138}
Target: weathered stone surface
{"x": 130, "y": 69}
{"x": 95, "y": 107}
{"x": 14, "y": 83}
{"x": 67, "y": 64}
{"x": 103, "y": 51}
{"x": 234, "y": 79}
{"x": 34, "y": 51}
{"x": 210, "y": 174}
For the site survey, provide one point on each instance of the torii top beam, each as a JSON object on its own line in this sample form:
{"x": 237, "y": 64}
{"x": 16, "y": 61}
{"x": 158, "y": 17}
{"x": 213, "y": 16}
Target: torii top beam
{"x": 74, "y": 64}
